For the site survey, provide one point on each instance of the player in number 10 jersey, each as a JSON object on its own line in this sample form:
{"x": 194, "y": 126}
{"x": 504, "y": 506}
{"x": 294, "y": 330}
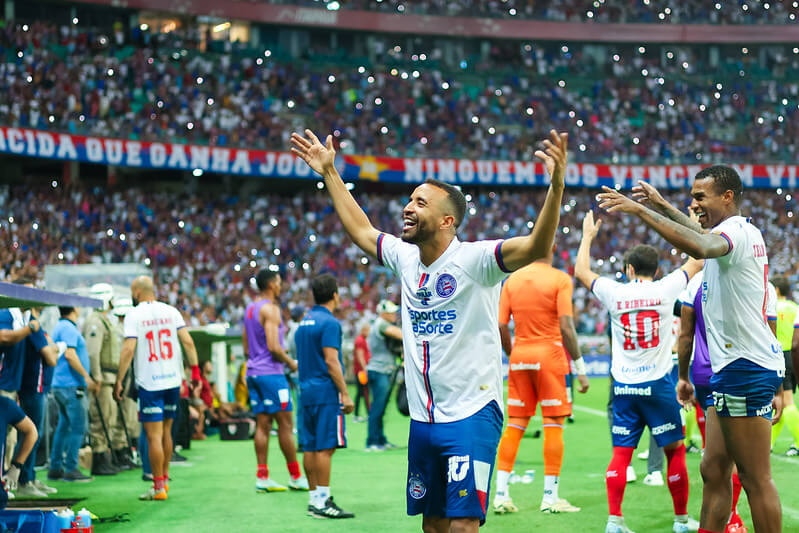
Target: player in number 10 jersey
{"x": 154, "y": 332}
{"x": 643, "y": 386}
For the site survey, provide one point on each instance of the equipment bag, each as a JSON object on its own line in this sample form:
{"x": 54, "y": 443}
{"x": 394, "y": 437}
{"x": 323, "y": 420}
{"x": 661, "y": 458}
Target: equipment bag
{"x": 236, "y": 429}
{"x": 24, "y": 521}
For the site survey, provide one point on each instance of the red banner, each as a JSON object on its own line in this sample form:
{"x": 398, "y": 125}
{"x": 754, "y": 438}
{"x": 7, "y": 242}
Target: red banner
{"x": 274, "y": 164}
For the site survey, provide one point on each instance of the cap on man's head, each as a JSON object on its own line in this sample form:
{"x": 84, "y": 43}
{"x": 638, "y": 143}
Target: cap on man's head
{"x": 387, "y": 306}
{"x": 104, "y": 292}
{"x": 122, "y": 306}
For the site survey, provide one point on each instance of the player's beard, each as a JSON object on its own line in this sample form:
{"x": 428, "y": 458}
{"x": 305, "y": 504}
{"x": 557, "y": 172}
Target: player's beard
{"x": 419, "y": 233}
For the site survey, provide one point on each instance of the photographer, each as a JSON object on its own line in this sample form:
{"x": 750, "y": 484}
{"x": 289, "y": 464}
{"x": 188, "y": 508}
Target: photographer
{"x": 383, "y": 335}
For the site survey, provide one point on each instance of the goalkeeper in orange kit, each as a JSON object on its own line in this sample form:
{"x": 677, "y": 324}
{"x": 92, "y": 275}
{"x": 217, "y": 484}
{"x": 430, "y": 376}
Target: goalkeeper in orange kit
{"x": 539, "y": 297}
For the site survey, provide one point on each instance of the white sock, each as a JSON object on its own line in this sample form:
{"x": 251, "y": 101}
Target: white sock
{"x": 312, "y": 497}
{"x": 322, "y": 494}
{"x": 502, "y": 483}
{"x": 551, "y": 488}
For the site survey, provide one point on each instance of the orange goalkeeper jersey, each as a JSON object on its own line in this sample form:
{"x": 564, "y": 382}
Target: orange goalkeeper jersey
{"x": 537, "y": 296}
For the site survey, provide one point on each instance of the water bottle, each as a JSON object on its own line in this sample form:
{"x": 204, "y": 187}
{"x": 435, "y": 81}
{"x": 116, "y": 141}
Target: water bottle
{"x": 85, "y": 518}
{"x": 65, "y": 519}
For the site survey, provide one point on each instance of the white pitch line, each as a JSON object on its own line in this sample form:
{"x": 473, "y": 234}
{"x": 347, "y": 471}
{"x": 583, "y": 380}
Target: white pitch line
{"x": 604, "y": 414}
{"x": 784, "y": 459}
{"x": 793, "y": 513}
{"x": 590, "y": 410}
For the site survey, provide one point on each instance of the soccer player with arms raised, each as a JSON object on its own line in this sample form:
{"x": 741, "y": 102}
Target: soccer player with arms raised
{"x": 747, "y": 360}
{"x": 450, "y": 302}
{"x": 643, "y": 386}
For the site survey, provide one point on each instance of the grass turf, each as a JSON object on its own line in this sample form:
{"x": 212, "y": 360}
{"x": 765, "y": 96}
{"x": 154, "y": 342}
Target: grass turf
{"x": 214, "y": 491}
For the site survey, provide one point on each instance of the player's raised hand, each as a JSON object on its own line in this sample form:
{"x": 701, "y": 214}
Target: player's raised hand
{"x": 554, "y": 155}
{"x": 612, "y": 200}
{"x": 320, "y": 157}
{"x": 645, "y": 193}
{"x": 591, "y": 228}
{"x": 693, "y": 216}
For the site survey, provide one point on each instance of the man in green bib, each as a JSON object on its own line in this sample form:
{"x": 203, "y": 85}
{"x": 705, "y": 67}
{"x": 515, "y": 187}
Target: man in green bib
{"x": 786, "y": 314}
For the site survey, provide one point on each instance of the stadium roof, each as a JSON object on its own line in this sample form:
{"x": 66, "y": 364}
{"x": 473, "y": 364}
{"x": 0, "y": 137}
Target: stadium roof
{"x": 12, "y": 295}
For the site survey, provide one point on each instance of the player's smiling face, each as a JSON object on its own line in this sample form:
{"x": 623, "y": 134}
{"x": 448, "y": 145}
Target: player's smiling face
{"x": 707, "y": 203}
{"x": 421, "y": 216}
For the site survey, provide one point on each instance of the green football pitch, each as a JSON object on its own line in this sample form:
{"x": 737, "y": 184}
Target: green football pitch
{"x": 214, "y": 491}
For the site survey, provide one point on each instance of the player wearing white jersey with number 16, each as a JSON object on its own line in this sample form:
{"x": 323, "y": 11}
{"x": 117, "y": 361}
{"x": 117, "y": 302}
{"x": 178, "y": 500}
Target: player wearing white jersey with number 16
{"x": 152, "y": 330}
{"x": 746, "y": 358}
{"x": 643, "y": 386}
{"x": 450, "y": 305}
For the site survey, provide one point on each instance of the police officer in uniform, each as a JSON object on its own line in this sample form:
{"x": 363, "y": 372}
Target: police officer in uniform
{"x": 104, "y": 347}
{"x": 129, "y": 408}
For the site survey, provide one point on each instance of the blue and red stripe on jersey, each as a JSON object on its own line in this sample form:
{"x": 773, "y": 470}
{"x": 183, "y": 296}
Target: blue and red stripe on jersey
{"x": 380, "y": 249}
{"x": 498, "y": 257}
{"x": 729, "y": 241}
{"x": 431, "y": 406}
{"x": 424, "y": 279}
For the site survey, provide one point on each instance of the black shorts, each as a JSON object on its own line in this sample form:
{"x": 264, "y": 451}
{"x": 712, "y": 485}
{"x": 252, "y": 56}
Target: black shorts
{"x": 789, "y": 383}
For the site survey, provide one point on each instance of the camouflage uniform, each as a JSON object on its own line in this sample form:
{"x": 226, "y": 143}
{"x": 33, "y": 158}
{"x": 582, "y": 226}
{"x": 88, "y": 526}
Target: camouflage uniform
{"x": 130, "y": 407}
{"x": 104, "y": 346}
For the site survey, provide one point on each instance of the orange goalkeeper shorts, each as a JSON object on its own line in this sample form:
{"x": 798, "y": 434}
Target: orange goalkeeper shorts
{"x": 533, "y": 381}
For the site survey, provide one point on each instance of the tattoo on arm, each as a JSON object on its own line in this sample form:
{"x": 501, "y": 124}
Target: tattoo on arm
{"x": 680, "y": 218}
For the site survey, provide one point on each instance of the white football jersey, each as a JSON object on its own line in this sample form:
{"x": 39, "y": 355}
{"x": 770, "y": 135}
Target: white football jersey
{"x": 641, "y": 318}
{"x": 159, "y": 358}
{"x": 453, "y": 354}
{"x": 771, "y": 302}
{"x": 735, "y": 300}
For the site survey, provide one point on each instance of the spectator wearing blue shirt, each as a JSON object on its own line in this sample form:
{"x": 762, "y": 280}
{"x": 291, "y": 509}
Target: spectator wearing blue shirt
{"x": 37, "y": 373}
{"x": 13, "y": 333}
{"x": 12, "y": 415}
{"x": 70, "y": 383}
{"x": 325, "y": 399}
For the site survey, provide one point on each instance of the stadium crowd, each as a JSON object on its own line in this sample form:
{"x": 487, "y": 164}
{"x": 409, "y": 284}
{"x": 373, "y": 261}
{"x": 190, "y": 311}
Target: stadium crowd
{"x": 621, "y": 103}
{"x": 634, "y": 11}
{"x": 229, "y": 238}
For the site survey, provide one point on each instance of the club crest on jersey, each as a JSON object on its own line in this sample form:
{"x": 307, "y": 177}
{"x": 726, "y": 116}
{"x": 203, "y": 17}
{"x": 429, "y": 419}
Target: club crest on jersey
{"x": 446, "y": 285}
{"x": 416, "y": 488}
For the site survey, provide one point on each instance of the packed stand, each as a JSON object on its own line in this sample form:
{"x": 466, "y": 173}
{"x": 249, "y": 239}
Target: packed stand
{"x": 627, "y": 11}
{"x": 626, "y": 104}
{"x": 228, "y": 239}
